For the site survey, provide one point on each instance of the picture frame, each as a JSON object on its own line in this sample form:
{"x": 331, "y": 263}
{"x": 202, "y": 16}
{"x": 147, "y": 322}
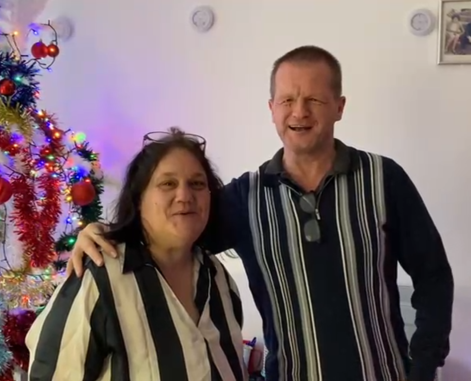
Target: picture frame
{"x": 454, "y": 32}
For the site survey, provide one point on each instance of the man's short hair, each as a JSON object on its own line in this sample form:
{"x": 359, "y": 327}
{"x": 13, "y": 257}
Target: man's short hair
{"x": 309, "y": 54}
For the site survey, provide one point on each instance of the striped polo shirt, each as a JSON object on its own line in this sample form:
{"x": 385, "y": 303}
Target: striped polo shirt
{"x": 330, "y": 308}
{"x": 122, "y": 322}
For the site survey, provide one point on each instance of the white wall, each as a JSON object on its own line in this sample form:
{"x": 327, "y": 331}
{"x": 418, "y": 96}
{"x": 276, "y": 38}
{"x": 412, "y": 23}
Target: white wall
{"x": 138, "y": 66}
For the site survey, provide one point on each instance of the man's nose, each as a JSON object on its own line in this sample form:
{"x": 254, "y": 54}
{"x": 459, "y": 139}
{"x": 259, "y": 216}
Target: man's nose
{"x": 300, "y": 109}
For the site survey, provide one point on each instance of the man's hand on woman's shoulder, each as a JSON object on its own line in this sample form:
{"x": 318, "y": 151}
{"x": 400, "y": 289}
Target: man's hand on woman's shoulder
{"x": 88, "y": 241}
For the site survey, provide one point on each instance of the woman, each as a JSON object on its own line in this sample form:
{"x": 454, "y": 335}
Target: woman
{"x": 163, "y": 309}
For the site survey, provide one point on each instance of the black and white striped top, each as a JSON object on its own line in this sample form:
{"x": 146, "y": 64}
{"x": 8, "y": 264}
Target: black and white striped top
{"x": 122, "y": 322}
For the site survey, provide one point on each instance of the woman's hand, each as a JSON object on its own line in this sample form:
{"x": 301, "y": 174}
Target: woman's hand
{"x": 88, "y": 241}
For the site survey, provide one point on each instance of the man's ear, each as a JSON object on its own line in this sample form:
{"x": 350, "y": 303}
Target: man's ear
{"x": 341, "y": 106}
{"x": 270, "y": 106}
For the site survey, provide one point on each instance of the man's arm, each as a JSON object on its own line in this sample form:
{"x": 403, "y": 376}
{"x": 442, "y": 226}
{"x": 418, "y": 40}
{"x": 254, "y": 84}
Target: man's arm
{"x": 227, "y": 226}
{"x": 416, "y": 243}
{"x": 229, "y": 222}
{"x": 67, "y": 340}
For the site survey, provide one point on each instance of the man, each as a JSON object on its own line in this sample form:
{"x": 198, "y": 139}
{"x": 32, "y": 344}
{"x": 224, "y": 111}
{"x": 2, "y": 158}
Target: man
{"x": 320, "y": 229}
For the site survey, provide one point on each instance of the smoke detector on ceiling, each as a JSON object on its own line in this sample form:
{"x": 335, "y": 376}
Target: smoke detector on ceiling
{"x": 202, "y": 18}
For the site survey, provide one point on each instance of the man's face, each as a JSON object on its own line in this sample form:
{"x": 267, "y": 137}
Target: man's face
{"x": 304, "y": 107}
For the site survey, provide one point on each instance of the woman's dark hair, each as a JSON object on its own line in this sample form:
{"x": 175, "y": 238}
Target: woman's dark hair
{"x": 126, "y": 225}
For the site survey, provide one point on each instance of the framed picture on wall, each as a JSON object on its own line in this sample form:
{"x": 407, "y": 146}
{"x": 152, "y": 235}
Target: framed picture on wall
{"x": 454, "y": 41}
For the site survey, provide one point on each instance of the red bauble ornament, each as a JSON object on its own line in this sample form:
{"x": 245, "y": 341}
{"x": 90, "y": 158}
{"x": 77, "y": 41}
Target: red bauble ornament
{"x": 39, "y": 50}
{"x": 7, "y": 87}
{"x": 83, "y": 193}
{"x": 53, "y": 50}
{"x": 6, "y": 190}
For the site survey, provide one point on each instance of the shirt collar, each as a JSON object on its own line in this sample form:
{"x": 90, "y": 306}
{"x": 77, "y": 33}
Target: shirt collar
{"x": 137, "y": 255}
{"x": 345, "y": 160}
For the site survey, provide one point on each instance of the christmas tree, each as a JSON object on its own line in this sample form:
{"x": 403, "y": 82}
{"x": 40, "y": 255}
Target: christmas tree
{"x": 50, "y": 187}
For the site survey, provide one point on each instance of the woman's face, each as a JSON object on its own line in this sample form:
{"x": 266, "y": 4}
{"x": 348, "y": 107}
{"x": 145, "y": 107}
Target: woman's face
{"x": 175, "y": 205}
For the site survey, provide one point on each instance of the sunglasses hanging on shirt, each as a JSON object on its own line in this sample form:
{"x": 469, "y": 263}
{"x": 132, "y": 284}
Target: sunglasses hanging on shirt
{"x": 312, "y": 230}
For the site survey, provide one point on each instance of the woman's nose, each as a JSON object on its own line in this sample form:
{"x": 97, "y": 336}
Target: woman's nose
{"x": 184, "y": 193}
